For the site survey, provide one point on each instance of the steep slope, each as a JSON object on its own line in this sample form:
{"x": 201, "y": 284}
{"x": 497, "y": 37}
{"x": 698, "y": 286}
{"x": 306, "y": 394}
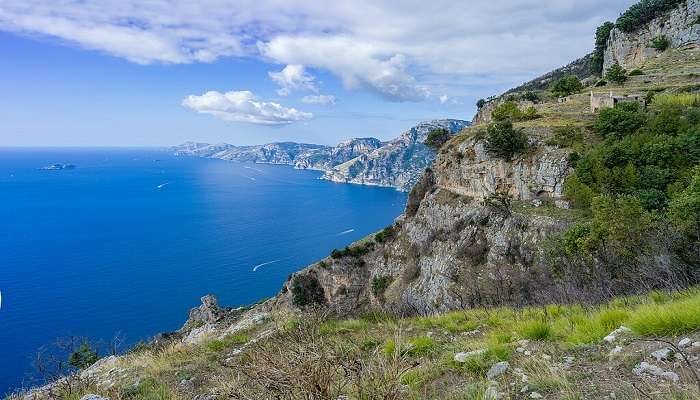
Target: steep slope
{"x": 397, "y": 163}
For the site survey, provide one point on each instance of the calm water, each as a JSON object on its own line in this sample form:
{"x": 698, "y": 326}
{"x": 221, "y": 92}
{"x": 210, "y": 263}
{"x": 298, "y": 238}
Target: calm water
{"x": 101, "y": 249}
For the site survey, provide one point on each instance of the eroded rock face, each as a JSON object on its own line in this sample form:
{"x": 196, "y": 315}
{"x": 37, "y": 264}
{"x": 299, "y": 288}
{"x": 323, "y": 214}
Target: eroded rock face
{"x": 632, "y": 49}
{"x": 208, "y": 312}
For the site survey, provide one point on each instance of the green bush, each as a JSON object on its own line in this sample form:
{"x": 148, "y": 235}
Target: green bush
{"x": 536, "y": 330}
{"x": 354, "y": 251}
{"x": 506, "y": 111}
{"x": 505, "y": 141}
{"x": 380, "y": 284}
{"x": 601, "y": 83}
{"x": 566, "y": 86}
{"x": 644, "y": 11}
{"x": 437, "y": 137}
{"x": 623, "y": 120}
{"x": 636, "y": 72}
{"x": 601, "y": 43}
{"x": 83, "y": 357}
{"x": 578, "y": 192}
{"x": 616, "y": 74}
{"x": 481, "y": 103}
{"x": 306, "y": 291}
{"x": 385, "y": 234}
{"x": 660, "y": 43}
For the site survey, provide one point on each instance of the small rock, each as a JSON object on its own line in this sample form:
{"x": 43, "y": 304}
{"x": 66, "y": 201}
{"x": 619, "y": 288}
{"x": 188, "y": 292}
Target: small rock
{"x": 535, "y": 395}
{"x": 471, "y": 333}
{"x": 662, "y": 354}
{"x": 527, "y": 353}
{"x": 546, "y": 357}
{"x": 497, "y": 369}
{"x": 614, "y": 334}
{"x": 525, "y": 389}
{"x": 645, "y": 367}
{"x": 685, "y": 342}
{"x": 520, "y": 350}
{"x": 93, "y": 397}
{"x": 615, "y": 351}
{"x": 523, "y": 342}
{"x": 429, "y": 334}
{"x": 537, "y": 202}
{"x": 462, "y": 357}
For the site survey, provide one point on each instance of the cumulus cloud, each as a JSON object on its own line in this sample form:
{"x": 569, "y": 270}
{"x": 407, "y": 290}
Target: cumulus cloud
{"x": 444, "y": 98}
{"x": 293, "y": 77}
{"x": 399, "y": 50}
{"x": 323, "y": 99}
{"x": 243, "y": 106}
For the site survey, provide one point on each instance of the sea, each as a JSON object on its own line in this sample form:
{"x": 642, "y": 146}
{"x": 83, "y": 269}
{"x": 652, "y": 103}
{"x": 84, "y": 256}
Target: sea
{"x": 125, "y": 243}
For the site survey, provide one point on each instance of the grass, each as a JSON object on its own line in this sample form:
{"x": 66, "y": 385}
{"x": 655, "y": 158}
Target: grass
{"x": 667, "y": 319}
{"x": 536, "y": 330}
{"x": 682, "y": 99}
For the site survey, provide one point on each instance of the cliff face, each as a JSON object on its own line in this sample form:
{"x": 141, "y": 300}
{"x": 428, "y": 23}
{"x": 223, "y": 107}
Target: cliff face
{"x": 681, "y": 27}
{"x": 456, "y": 245}
{"x": 397, "y": 163}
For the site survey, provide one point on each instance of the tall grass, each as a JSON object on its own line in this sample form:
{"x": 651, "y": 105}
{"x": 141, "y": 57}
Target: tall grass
{"x": 679, "y": 99}
{"x": 667, "y": 319}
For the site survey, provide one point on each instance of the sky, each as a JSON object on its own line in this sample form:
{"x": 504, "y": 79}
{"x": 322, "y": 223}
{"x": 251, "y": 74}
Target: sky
{"x": 158, "y": 73}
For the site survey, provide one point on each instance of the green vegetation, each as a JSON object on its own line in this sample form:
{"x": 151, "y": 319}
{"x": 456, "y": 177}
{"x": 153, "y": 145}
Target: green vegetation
{"x": 616, "y": 74}
{"x": 354, "y": 251}
{"x": 380, "y": 284}
{"x": 481, "y": 103}
{"x": 636, "y": 72}
{"x": 83, "y": 357}
{"x": 601, "y": 43}
{"x": 674, "y": 318}
{"x": 680, "y": 99}
{"x": 566, "y": 136}
{"x": 306, "y": 291}
{"x": 536, "y": 330}
{"x": 644, "y": 11}
{"x": 660, "y": 43}
{"x": 437, "y": 137}
{"x": 505, "y": 141}
{"x": 566, "y": 86}
{"x": 385, "y": 234}
{"x": 508, "y": 110}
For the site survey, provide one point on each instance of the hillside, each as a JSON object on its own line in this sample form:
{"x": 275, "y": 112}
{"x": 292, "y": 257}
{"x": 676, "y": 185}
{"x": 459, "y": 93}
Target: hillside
{"x": 397, "y": 163}
{"x": 550, "y": 251}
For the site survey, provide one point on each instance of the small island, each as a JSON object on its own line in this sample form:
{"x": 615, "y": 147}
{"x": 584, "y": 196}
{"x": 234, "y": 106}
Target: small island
{"x": 57, "y": 167}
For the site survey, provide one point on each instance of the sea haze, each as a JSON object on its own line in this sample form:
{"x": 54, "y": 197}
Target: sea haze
{"x": 129, "y": 240}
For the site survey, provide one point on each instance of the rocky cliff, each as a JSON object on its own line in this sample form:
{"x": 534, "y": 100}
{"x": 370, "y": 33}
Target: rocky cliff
{"x": 397, "y": 163}
{"x": 681, "y": 27}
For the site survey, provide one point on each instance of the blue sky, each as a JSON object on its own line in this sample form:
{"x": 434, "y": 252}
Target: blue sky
{"x": 108, "y": 73}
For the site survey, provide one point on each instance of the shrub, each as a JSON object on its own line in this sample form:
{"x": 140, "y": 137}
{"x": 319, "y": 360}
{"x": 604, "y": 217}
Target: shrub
{"x": 565, "y": 136}
{"x": 481, "y": 103}
{"x": 660, "y": 43}
{"x": 380, "y": 284}
{"x": 636, "y": 72}
{"x": 530, "y": 114}
{"x": 601, "y": 82}
{"x": 620, "y": 121}
{"x": 355, "y": 251}
{"x": 644, "y": 11}
{"x": 601, "y": 43}
{"x": 83, "y": 357}
{"x": 536, "y": 330}
{"x": 437, "y": 137}
{"x": 578, "y": 192}
{"x": 503, "y": 140}
{"x": 505, "y": 111}
{"x": 566, "y": 86}
{"x": 616, "y": 74}
{"x": 385, "y": 234}
{"x": 531, "y": 96}
{"x": 306, "y": 290}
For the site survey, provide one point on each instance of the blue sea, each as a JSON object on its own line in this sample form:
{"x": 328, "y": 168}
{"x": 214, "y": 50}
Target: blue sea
{"x": 129, "y": 240}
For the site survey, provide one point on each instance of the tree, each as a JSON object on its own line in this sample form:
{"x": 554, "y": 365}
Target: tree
{"x": 507, "y": 110}
{"x": 437, "y": 137}
{"x": 566, "y": 86}
{"x": 504, "y": 141}
{"x": 616, "y": 74}
{"x": 601, "y": 43}
{"x": 660, "y": 43}
{"x": 620, "y": 121}
{"x": 480, "y": 104}
{"x": 83, "y": 357}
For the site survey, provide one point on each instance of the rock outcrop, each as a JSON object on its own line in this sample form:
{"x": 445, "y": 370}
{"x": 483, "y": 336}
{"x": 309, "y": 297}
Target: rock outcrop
{"x": 681, "y": 27}
{"x": 368, "y": 161}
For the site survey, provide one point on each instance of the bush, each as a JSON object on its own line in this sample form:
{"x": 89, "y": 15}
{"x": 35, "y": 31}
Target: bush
{"x": 507, "y": 110}
{"x": 531, "y": 96}
{"x": 355, "y": 251}
{"x": 644, "y": 11}
{"x": 565, "y": 136}
{"x": 530, "y": 114}
{"x": 616, "y": 74}
{"x": 636, "y": 72}
{"x": 437, "y": 137}
{"x": 623, "y": 120}
{"x": 578, "y": 192}
{"x": 601, "y": 43}
{"x": 380, "y": 284}
{"x": 504, "y": 141}
{"x": 601, "y": 83}
{"x": 306, "y": 291}
{"x": 660, "y": 43}
{"x": 83, "y": 357}
{"x": 566, "y": 86}
{"x": 481, "y": 103}
{"x": 385, "y": 234}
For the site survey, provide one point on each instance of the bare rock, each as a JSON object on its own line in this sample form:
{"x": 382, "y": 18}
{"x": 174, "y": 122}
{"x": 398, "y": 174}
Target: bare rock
{"x": 462, "y": 357}
{"x": 651, "y": 369}
{"x": 497, "y": 369}
{"x": 662, "y": 354}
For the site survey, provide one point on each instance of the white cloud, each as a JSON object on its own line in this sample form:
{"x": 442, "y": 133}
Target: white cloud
{"x": 322, "y": 99}
{"x": 399, "y": 50}
{"x": 444, "y": 98}
{"x": 243, "y": 106}
{"x": 293, "y": 77}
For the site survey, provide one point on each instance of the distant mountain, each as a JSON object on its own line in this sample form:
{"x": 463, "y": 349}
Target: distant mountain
{"x": 369, "y": 161}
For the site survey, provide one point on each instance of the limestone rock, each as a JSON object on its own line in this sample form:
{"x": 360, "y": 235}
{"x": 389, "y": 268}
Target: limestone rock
{"x": 685, "y": 342}
{"x": 662, "y": 354}
{"x": 208, "y": 312}
{"x": 651, "y": 369}
{"x": 497, "y": 369}
{"x": 93, "y": 397}
{"x": 462, "y": 357}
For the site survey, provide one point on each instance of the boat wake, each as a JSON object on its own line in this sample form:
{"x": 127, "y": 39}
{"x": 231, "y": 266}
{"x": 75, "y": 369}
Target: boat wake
{"x": 255, "y": 268}
{"x": 345, "y": 232}
{"x": 162, "y": 185}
